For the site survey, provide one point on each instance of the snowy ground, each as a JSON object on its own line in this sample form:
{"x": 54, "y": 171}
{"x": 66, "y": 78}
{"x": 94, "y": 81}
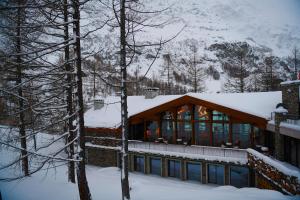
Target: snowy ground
{"x": 105, "y": 184}
{"x": 51, "y": 184}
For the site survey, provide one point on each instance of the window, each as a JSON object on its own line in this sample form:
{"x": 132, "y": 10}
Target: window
{"x": 241, "y": 135}
{"x": 139, "y": 163}
{"x": 184, "y": 125}
{"x": 218, "y": 116}
{"x": 257, "y": 136}
{"x": 184, "y": 113}
{"x": 220, "y": 133}
{"x": 184, "y": 129}
{"x": 215, "y": 174}
{"x": 152, "y": 130}
{"x": 174, "y": 168}
{"x": 202, "y": 133}
{"x": 193, "y": 171}
{"x": 168, "y": 126}
{"x": 155, "y": 166}
{"x": 239, "y": 176}
{"x": 201, "y": 113}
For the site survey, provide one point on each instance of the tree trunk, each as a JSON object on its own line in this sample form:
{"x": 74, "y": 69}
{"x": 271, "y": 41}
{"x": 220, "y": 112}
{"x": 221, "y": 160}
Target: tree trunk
{"x": 124, "y": 112}
{"x": 71, "y": 166}
{"x": 22, "y": 131}
{"x": 83, "y": 187}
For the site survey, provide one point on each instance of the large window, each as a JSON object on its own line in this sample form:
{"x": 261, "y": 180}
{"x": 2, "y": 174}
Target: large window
{"x": 202, "y": 125}
{"x": 239, "y": 176}
{"x": 152, "y": 131}
{"x": 155, "y": 166}
{"x": 215, "y": 174}
{"x": 139, "y": 163}
{"x": 220, "y": 133}
{"x": 184, "y": 125}
{"x": 168, "y": 126}
{"x": 241, "y": 135}
{"x": 193, "y": 171}
{"x": 202, "y": 133}
{"x": 220, "y": 128}
{"x": 174, "y": 168}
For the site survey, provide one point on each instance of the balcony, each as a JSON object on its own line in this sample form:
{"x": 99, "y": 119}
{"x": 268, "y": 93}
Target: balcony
{"x": 220, "y": 154}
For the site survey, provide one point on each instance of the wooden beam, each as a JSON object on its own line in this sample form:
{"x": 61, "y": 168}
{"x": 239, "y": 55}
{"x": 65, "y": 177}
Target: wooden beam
{"x": 193, "y": 124}
{"x": 241, "y": 116}
{"x": 145, "y": 131}
{"x": 210, "y": 127}
{"x": 175, "y": 132}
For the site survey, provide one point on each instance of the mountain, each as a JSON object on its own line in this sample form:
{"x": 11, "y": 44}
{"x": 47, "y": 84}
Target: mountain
{"x": 269, "y": 25}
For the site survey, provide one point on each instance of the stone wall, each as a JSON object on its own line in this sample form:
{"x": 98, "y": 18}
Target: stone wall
{"x": 276, "y": 179}
{"x": 290, "y": 97}
{"x": 102, "y": 157}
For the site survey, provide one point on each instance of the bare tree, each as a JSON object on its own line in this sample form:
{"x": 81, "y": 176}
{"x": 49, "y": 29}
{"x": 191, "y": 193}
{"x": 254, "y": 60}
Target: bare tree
{"x": 83, "y": 187}
{"x": 194, "y": 70}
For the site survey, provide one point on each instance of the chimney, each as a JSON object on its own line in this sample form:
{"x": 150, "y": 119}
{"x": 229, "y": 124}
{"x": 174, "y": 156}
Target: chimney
{"x": 291, "y": 97}
{"x": 98, "y": 103}
{"x": 152, "y": 92}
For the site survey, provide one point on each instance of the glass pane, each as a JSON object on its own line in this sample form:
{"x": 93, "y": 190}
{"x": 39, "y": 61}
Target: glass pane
{"x": 257, "y": 136}
{"x": 184, "y": 129}
{"x": 155, "y": 166}
{"x": 167, "y": 129}
{"x": 241, "y": 135}
{"x": 216, "y": 174}
{"x": 220, "y": 133}
{"x": 201, "y": 113}
{"x": 174, "y": 168}
{"x": 193, "y": 171}
{"x": 184, "y": 113}
{"x": 239, "y": 176}
{"x": 139, "y": 163}
{"x": 218, "y": 116}
{"x": 202, "y": 133}
{"x": 152, "y": 131}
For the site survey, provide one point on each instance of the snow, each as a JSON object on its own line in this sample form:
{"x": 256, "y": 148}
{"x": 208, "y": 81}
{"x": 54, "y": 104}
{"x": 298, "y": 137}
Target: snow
{"x": 105, "y": 184}
{"x": 283, "y": 167}
{"x": 291, "y": 126}
{"x": 281, "y": 109}
{"x": 260, "y": 104}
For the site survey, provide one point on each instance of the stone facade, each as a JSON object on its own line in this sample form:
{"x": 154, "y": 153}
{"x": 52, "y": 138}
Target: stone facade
{"x": 268, "y": 177}
{"x": 290, "y": 98}
{"x": 102, "y": 157}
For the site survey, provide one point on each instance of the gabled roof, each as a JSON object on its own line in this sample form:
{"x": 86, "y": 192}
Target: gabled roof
{"x": 259, "y": 105}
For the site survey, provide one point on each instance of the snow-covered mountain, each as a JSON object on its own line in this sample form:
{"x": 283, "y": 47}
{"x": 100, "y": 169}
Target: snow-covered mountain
{"x": 273, "y": 25}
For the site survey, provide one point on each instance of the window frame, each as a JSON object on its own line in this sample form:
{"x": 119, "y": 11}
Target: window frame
{"x": 248, "y": 183}
{"x": 207, "y": 173}
{"x": 186, "y": 170}
{"x": 150, "y": 165}
{"x": 180, "y": 168}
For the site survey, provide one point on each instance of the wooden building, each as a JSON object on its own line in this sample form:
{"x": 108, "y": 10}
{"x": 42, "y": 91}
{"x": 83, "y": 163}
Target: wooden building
{"x": 204, "y": 137}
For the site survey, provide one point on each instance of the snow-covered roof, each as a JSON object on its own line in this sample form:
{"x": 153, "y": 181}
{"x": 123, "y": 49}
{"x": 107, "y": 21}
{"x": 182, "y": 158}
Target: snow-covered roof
{"x": 260, "y": 104}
